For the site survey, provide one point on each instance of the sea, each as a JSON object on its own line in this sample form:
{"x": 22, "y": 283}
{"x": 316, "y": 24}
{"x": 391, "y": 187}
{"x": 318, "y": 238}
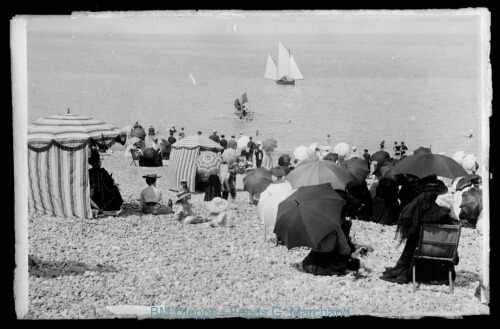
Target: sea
{"x": 423, "y": 89}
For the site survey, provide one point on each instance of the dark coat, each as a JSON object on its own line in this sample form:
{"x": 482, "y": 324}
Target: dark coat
{"x": 223, "y": 143}
{"x": 214, "y": 137}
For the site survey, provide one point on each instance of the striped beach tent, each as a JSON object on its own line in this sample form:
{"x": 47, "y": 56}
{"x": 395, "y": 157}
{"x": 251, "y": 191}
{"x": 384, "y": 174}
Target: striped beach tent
{"x": 183, "y": 158}
{"x": 58, "y": 173}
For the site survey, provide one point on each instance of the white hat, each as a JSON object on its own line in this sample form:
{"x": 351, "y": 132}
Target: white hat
{"x": 354, "y": 148}
{"x": 215, "y": 130}
{"x": 217, "y": 205}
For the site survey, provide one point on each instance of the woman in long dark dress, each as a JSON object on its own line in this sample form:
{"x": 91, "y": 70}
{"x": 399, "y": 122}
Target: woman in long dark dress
{"x": 423, "y": 209}
{"x": 105, "y": 194}
{"x": 332, "y": 256}
{"x": 363, "y": 197}
{"x": 386, "y": 208}
{"x": 213, "y": 188}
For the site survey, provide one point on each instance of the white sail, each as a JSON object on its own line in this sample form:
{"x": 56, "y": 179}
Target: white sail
{"x": 271, "y": 69}
{"x": 283, "y": 61}
{"x": 294, "y": 70}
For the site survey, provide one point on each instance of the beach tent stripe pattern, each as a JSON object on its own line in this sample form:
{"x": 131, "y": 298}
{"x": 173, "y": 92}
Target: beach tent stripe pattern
{"x": 70, "y": 130}
{"x": 58, "y": 182}
{"x": 196, "y": 141}
{"x": 182, "y": 165}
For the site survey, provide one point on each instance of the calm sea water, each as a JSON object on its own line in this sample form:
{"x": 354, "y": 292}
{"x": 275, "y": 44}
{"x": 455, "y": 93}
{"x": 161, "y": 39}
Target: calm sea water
{"x": 360, "y": 89}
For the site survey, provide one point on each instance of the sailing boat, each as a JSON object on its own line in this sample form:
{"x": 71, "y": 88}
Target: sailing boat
{"x": 243, "y": 111}
{"x": 287, "y": 71}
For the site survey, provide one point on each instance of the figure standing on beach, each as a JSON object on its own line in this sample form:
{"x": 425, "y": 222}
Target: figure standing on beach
{"x": 403, "y": 148}
{"x": 232, "y": 143}
{"x": 382, "y": 145}
{"x": 171, "y": 139}
{"x": 396, "y": 149}
{"x": 151, "y": 131}
{"x": 258, "y": 154}
{"x": 182, "y": 134}
{"x": 229, "y": 182}
{"x": 223, "y": 141}
{"x": 267, "y": 161}
{"x": 214, "y": 136}
{"x": 366, "y": 155}
{"x": 328, "y": 139}
{"x": 172, "y": 129}
{"x": 199, "y": 132}
{"x": 251, "y": 147}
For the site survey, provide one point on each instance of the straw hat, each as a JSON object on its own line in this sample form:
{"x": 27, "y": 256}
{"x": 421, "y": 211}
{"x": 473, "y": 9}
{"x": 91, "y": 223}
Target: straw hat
{"x": 217, "y": 205}
{"x": 151, "y": 176}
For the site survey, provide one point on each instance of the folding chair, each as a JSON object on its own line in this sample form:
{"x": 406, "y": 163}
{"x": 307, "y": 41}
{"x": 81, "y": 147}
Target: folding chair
{"x": 438, "y": 242}
{"x": 135, "y": 156}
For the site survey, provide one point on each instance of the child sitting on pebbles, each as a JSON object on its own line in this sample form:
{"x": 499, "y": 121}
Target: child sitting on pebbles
{"x": 184, "y": 211}
{"x": 220, "y": 207}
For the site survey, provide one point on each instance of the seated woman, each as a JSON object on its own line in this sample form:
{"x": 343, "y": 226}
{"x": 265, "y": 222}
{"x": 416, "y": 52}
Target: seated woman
{"x": 183, "y": 211}
{"x": 151, "y": 198}
{"x": 332, "y": 256}
{"x": 105, "y": 194}
{"x": 95, "y": 208}
{"x": 423, "y": 209}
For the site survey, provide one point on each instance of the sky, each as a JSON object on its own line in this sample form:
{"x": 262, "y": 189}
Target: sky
{"x": 263, "y": 22}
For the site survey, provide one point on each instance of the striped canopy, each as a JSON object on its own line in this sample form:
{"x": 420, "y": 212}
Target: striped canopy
{"x": 195, "y": 141}
{"x": 70, "y": 130}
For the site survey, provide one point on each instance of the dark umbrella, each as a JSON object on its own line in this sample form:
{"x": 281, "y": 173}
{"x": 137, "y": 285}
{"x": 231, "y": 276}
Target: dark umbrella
{"x": 331, "y": 156}
{"x": 280, "y": 171}
{"x": 257, "y": 180}
{"x": 308, "y": 215}
{"x": 472, "y": 204}
{"x": 358, "y": 168}
{"x": 380, "y": 156}
{"x": 269, "y": 145}
{"x": 422, "y": 150}
{"x": 319, "y": 172}
{"x": 422, "y": 165}
{"x": 468, "y": 180}
{"x": 384, "y": 169}
{"x": 150, "y": 158}
{"x": 139, "y": 133}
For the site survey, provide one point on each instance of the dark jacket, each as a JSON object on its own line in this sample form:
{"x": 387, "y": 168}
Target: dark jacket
{"x": 214, "y": 137}
{"x": 171, "y": 140}
{"x": 223, "y": 143}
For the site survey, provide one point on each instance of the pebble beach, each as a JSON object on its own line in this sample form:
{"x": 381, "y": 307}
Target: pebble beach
{"x": 82, "y": 266}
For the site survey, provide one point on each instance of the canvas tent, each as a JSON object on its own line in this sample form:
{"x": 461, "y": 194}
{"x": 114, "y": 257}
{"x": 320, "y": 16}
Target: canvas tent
{"x": 58, "y": 170}
{"x": 183, "y": 158}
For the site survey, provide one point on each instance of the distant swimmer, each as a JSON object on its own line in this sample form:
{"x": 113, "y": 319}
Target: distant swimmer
{"x": 470, "y": 134}
{"x": 289, "y": 121}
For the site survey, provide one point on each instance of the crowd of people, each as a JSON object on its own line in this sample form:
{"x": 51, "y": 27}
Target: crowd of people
{"x": 403, "y": 200}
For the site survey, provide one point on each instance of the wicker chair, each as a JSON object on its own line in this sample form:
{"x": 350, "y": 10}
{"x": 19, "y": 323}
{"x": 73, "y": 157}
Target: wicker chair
{"x": 438, "y": 243}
